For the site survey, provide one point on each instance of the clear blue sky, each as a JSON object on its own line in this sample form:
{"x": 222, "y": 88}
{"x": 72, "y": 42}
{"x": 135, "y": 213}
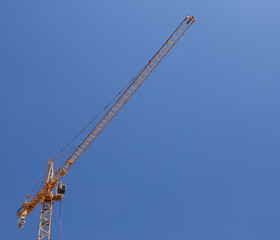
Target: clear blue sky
{"x": 193, "y": 155}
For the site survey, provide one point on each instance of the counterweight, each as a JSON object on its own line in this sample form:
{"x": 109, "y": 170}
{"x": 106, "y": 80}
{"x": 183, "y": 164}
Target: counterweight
{"x": 52, "y": 180}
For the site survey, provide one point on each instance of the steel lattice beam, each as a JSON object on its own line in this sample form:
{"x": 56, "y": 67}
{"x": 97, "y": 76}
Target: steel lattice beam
{"x": 139, "y": 79}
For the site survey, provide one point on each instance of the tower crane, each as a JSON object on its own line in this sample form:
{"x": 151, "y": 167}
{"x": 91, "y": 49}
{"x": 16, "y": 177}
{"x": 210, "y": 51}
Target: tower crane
{"x": 53, "y": 190}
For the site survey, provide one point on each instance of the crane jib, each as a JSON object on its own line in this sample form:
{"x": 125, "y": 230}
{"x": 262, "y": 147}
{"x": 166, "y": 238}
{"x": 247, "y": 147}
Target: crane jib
{"x": 27, "y": 207}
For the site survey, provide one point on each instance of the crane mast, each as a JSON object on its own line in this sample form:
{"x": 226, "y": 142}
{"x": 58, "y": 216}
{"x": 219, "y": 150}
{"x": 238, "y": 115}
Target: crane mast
{"x": 45, "y": 194}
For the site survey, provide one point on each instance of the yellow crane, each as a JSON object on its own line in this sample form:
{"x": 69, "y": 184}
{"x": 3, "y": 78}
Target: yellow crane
{"x": 46, "y": 195}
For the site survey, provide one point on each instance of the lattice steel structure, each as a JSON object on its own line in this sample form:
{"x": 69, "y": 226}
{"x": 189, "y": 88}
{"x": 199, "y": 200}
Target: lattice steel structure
{"x": 45, "y": 194}
{"x": 45, "y": 219}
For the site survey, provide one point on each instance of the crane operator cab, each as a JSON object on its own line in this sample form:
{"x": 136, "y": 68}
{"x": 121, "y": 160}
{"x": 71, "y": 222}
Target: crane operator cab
{"x": 61, "y": 189}
{"x": 59, "y": 192}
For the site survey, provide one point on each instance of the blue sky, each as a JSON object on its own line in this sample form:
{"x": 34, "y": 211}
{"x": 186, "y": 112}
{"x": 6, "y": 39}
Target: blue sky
{"x": 193, "y": 155}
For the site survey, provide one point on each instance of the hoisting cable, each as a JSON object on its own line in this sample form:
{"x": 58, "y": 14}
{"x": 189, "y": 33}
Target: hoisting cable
{"x": 60, "y": 224}
{"x": 40, "y": 181}
{"x": 60, "y": 152}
